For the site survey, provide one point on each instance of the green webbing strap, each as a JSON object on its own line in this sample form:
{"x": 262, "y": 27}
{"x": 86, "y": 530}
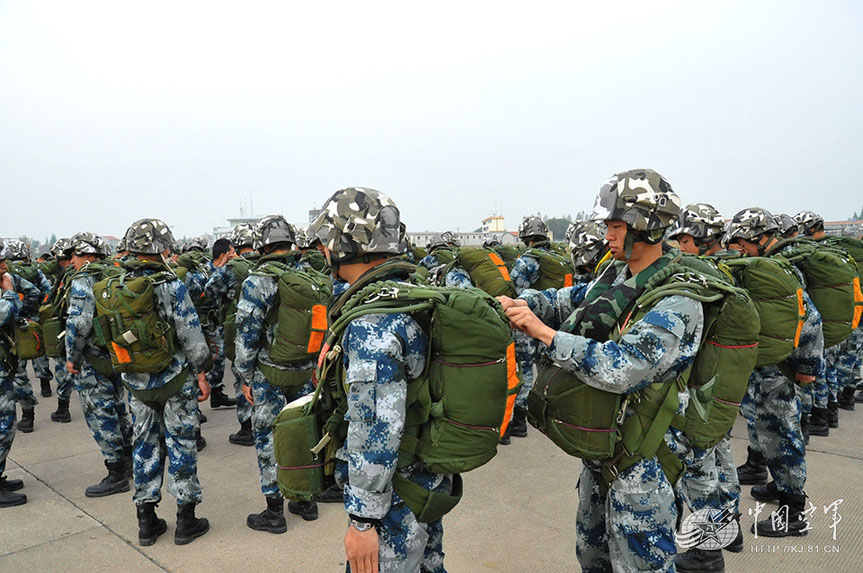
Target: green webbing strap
{"x": 427, "y": 505}
{"x": 155, "y": 398}
{"x": 658, "y": 410}
{"x": 671, "y": 465}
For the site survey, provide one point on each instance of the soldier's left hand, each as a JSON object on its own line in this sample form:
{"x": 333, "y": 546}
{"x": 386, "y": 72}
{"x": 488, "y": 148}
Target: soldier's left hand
{"x": 203, "y": 386}
{"x": 525, "y": 320}
{"x": 70, "y": 368}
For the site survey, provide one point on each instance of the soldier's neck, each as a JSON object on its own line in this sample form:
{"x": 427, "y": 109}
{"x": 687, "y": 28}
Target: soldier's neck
{"x": 643, "y": 255}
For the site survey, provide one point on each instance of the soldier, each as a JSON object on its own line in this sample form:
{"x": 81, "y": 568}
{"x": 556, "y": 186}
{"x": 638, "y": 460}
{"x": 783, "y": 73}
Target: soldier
{"x": 771, "y": 402}
{"x": 214, "y": 330}
{"x": 274, "y": 238}
{"x": 10, "y": 305}
{"x": 586, "y": 248}
{"x": 440, "y": 250}
{"x": 65, "y": 384}
{"x": 100, "y": 391}
{"x": 630, "y": 525}
{"x": 359, "y": 230}
{"x": 170, "y": 430}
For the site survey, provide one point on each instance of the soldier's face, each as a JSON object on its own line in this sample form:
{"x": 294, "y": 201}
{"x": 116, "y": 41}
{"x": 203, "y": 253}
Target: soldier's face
{"x": 687, "y": 244}
{"x": 747, "y": 247}
{"x": 78, "y": 261}
{"x": 615, "y": 234}
{"x": 3, "y": 268}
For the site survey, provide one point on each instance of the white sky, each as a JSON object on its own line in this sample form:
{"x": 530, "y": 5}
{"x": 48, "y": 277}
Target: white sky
{"x": 111, "y": 111}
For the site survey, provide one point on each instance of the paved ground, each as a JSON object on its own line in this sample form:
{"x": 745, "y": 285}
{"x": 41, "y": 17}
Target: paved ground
{"x": 517, "y": 513}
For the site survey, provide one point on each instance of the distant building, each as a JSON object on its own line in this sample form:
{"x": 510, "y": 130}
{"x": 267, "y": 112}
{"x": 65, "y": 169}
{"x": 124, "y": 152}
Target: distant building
{"x": 493, "y": 224}
{"x": 847, "y": 228}
{"x": 225, "y": 232}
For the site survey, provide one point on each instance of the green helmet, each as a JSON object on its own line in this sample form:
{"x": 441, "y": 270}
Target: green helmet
{"x": 641, "y": 198}
{"x": 86, "y": 243}
{"x": 243, "y": 235}
{"x": 18, "y": 250}
{"x": 358, "y": 221}
{"x": 445, "y": 239}
{"x": 149, "y": 237}
{"x": 751, "y": 223}
{"x": 532, "y": 227}
{"x": 809, "y": 222}
{"x": 586, "y": 242}
{"x": 787, "y": 224}
{"x": 61, "y": 249}
{"x": 196, "y": 244}
{"x": 273, "y": 229}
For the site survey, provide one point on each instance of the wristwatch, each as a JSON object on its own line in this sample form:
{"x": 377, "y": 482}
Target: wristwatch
{"x": 362, "y": 524}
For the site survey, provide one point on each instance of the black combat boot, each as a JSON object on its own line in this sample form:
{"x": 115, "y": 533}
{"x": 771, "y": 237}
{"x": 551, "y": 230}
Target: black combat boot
{"x": 333, "y": 494}
{"x": 796, "y": 521}
{"x": 518, "y": 424}
{"x": 10, "y": 484}
{"x": 46, "y": 387}
{"x": 846, "y": 398}
{"x": 150, "y": 527}
{"x": 62, "y": 414}
{"x": 818, "y": 425}
{"x": 218, "y": 399}
{"x": 833, "y": 414}
{"x": 115, "y": 482}
{"x": 244, "y": 437}
{"x": 754, "y": 471}
{"x": 804, "y": 427}
{"x": 736, "y": 546}
{"x": 271, "y": 519}
{"x": 26, "y": 423}
{"x": 200, "y": 442}
{"x": 505, "y": 439}
{"x": 129, "y": 463}
{"x": 768, "y": 492}
{"x": 189, "y": 527}
{"x": 9, "y": 499}
{"x": 308, "y": 510}
{"x": 858, "y": 396}
{"x": 700, "y": 561}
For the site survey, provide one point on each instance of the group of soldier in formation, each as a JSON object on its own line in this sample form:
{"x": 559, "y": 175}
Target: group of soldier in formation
{"x": 625, "y": 522}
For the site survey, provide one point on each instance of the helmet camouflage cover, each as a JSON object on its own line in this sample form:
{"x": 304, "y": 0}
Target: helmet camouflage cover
{"x": 302, "y": 237}
{"x": 808, "y": 220}
{"x": 196, "y": 243}
{"x": 149, "y": 237}
{"x": 532, "y": 226}
{"x": 445, "y": 239}
{"x": 273, "y": 229}
{"x": 87, "y": 243}
{"x": 243, "y": 235}
{"x": 586, "y": 241}
{"x": 357, "y": 221}
{"x": 700, "y": 220}
{"x": 61, "y": 248}
{"x": 4, "y": 252}
{"x": 17, "y": 250}
{"x": 787, "y": 224}
{"x": 751, "y": 223}
{"x": 641, "y": 198}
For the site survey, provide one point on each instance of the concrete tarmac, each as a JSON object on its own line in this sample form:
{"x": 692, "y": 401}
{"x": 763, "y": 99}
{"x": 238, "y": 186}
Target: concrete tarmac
{"x": 517, "y": 514}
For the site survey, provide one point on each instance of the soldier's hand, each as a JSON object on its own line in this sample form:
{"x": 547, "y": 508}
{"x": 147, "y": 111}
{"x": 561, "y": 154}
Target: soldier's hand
{"x": 507, "y": 302}
{"x": 523, "y": 319}
{"x": 70, "y": 368}
{"x": 6, "y": 282}
{"x": 361, "y": 550}
{"x": 804, "y": 378}
{"x": 247, "y": 392}
{"x": 203, "y": 386}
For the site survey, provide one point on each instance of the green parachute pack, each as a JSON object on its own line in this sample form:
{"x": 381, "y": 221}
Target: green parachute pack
{"x": 487, "y": 270}
{"x": 300, "y": 319}
{"x": 778, "y": 296}
{"x": 315, "y": 259}
{"x": 593, "y": 424}
{"x": 555, "y": 269}
{"x": 832, "y": 281}
{"x": 854, "y": 247}
{"x": 510, "y": 253}
{"x": 457, "y": 410}
{"x": 27, "y": 271}
{"x": 241, "y": 267}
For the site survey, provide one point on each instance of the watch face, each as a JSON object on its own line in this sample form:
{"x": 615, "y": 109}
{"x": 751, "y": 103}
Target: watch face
{"x": 360, "y": 526}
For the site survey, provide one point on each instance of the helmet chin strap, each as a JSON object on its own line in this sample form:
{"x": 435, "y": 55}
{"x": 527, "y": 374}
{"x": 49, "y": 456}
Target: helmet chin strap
{"x": 628, "y": 243}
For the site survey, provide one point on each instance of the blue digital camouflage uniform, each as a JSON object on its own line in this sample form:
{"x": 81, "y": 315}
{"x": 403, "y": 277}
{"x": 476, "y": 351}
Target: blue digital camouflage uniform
{"x": 844, "y": 362}
{"x": 430, "y": 261}
{"x": 102, "y": 398}
{"x": 382, "y": 353}
{"x": 258, "y": 298}
{"x": 171, "y": 431}
{"x": 524, "y": 274}
{"x": 223, "y": 286}
{"x": 10, "y": 306}
{"x": 29, "y": 309}
{"x": 458, "y": 277}
{"x": 631, "y": 527}
{"x": 215, "y": 334}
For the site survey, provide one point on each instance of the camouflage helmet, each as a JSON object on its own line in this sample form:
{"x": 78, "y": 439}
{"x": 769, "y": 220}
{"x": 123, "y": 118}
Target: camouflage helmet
{"x": 586, "y": 241}
{"x": 641, "y": 198}
{"x": 809, "y": 221}
{"x": 87, "y": 243}
{"x": 491, "y": 242}
{"x": 750, "y": 224}
{"x": 787, "y": 224}
{"x": 358, "y": 221}
{"x": 17, "y": 250}
{"x": 196, "y": 244}
{"x": 302, "y": 237}
{"x": 699, "y": 220}
{"x": 61, "y": 249}
{"x": 532, "y": 226}
{"x": 4, "y": 252}
{"x": 149, "y": 237}
{"x": 445, "y": 239}
{"x": 121, "y": 245}
{"x": 273, "y": 229}
{"x": 243, "y": 235}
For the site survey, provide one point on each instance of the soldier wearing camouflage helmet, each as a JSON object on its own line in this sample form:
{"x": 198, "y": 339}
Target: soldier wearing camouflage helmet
{"x": 274, "y": 238}
{"x": 788, "y": 227}
{"x": 359, "y": 231}
{"x": 699, "y": 229}
{"x": 62, "y": 270}
{"x": 441, "y": 250}
{"x": 586, "y": 248}
{"x": 630, "y": 525}
{"x": 175, "y": 425}
{"x": 532, "y": 230}
{"x": 810, "y": 223}
{"x": 88, "y": 363}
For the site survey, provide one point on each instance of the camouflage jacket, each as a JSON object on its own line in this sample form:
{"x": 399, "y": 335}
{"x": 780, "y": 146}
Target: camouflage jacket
{"x": 79, "y": 323}
{"x": 10, "y": 306}
{"x": 525, "y": 272}
{"x": 31, "y": 297}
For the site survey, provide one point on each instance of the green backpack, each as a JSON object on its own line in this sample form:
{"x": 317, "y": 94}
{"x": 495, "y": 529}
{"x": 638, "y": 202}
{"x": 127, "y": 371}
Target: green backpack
{"x": 854, "y": 247}
{"x": 457, "y": 410}
{"x": 592, "y": 424}
{"x": 555, "y": 270}
{"x": 242, "y": 268}
{"x": 128, "y": 322}
{"x": 830, "y": 276}
{"x": 509, "y": 253}
{"x": 315, "y": 259}
{"x": 27, "y": 271}
{"x": 300, "y": 319}
{"x": 778, "y": 296}
{"x": 487, "y": 271}
{"x": 52, "y": 317}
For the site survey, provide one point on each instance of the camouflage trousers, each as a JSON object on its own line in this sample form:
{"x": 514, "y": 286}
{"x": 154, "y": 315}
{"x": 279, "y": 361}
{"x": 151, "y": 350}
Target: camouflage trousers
{"x": 104, "y": 406}
{"x": 710, "y": 480}
{"x": 729, "y": 486}
{"x": 168, "y": 432}
{"x": 244, "y": 409}
{"x": 216, "y": 342}
{"x": 631, "y": 526}
{"x": 65, "y": 383}
{"x": 526, "y": 353}
{"x": 23, "y": 388}
{"x": 844, "y": 362}
{"x": 405, "y": 545}
{"x": 269, "y": 401}
{"x": 773, "y": 421}
{"x": 814, "y": 395}
{"x": 7, "y": 415}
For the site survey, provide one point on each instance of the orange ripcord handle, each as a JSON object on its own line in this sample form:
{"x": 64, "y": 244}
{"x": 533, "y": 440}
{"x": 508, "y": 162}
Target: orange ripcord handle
{"x": 501, "y": 266}
{"x": 567, "y": 280}
{"x": 858, "y": 303}
{"x": 121, "y": 353}
{"x": 801, "y": 316}
{"x": 21, "y": 296}
{"x": 511, "y": 383}
{"x": 319, "y": 328}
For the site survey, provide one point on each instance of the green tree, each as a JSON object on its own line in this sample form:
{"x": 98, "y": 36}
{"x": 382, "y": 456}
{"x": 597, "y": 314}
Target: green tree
{"x": 557, "y": 226}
